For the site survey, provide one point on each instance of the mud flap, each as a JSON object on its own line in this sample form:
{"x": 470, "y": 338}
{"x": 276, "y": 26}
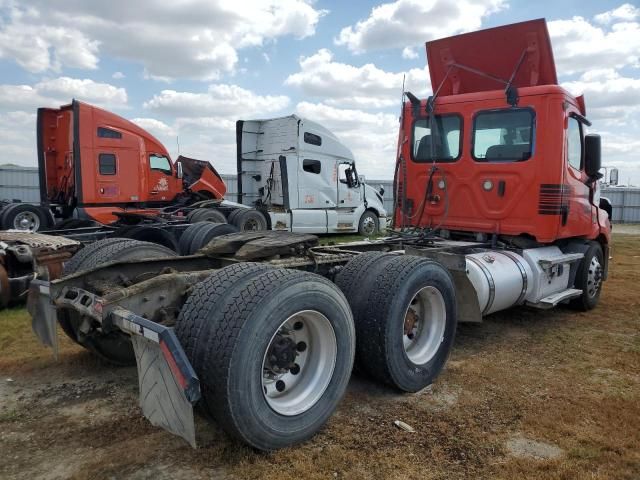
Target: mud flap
{"x": 169, "y": 387}
{"x": 162, "y": 400}
{"x": 43, "y": 314}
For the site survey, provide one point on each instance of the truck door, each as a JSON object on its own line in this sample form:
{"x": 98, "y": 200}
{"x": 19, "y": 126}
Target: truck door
{"x": 160, "y": 178}
{"x": 349, "y": 190}
{"x": 315, "y": 196}
{"x": 578, "y": 218}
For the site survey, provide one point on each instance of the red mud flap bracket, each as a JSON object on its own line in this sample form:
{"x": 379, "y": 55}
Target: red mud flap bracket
{"x": 169, "y": 387}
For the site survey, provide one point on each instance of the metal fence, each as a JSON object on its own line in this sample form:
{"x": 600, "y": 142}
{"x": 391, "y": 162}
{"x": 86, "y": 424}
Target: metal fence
{"x": 21, "y": 183}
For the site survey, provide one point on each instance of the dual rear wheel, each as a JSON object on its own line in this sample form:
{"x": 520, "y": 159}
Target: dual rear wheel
{"x": 274, "y": 348}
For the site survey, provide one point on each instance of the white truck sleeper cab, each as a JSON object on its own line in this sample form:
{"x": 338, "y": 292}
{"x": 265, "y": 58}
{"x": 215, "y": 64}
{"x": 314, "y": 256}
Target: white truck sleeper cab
{"x": 305, "y": 178}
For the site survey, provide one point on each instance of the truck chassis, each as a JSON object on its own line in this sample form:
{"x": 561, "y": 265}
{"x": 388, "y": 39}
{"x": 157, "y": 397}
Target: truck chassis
{"x": 260, "y": 329}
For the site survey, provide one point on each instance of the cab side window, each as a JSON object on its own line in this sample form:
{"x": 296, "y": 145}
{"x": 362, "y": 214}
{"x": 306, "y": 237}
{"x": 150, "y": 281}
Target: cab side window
{"x": 161, "y": 163}
{"x": 574, "y": 144}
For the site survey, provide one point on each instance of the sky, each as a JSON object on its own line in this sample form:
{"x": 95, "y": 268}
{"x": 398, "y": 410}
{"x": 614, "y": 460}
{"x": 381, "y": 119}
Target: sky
{"x": 186, "y": 70}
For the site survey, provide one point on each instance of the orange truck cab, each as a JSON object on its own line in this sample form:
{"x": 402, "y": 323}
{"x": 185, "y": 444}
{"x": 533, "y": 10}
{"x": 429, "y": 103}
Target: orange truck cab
{"x": 94, "y": 163}
{"x": 500, "y": 150}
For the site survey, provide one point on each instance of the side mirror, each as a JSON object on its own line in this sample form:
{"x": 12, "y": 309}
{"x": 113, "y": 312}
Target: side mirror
{"x": 381, "y": 191}
{"x": 179, "y": 172}
{"x": 592, "y": 158}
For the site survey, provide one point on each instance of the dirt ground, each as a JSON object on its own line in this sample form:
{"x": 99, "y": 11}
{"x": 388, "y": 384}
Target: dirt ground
{"x": 526, "y": 394}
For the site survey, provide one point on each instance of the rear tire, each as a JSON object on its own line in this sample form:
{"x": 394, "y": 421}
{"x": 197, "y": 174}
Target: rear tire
{"x": 405, "y": 316}
{"x": 235, "y": 319}
{"x": 27, "y": 217}
{"x": 232, "y": 214}
{"x": 188, "y": 236}
{"x": 589, "y": 278}
{"x": 208, "y": 233}
{"x": 250, "y": 220}
{"x": 206, "y": 215}
{"x": 146, "y": 233}
{"x": 114, "y": 347}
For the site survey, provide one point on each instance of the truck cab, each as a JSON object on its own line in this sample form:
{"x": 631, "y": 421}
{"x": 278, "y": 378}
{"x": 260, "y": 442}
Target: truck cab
{"x": 93, "y": 163}
{"x": 500, "y": 149}
{"x": 299, "y": 173}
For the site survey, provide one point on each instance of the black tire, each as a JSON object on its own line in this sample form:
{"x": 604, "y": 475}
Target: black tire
{"x": 212, "y": 290}
{"x": 187, "y": 237}
{"x": 207, "y": 215}
{"x": 232, "y": 214}
{"x": 11, "y": 215}
{"x": 208, "y": 233}
{"x": 369, "y": 224}
{"x": 73, "y": 265}
{"x": 351, "y": 276}
{"x": 233, "y": 317}
{"x": 114, "y": 347}
{"x": 250, "y": 220}
{"x": 190, "y": 215}
{"x": 381, "y": 314}
{"x": 145, "y": 233}
{"x": 589, "y": 278}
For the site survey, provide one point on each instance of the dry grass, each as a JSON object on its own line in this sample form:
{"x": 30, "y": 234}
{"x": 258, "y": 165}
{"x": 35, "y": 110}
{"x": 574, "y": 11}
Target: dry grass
{"x": 568, "y": 379}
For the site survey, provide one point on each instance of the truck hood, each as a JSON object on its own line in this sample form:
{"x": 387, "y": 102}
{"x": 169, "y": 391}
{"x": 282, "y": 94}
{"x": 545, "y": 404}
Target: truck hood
{"x": 200, "y": 175}
{"x": 496, "y": 52}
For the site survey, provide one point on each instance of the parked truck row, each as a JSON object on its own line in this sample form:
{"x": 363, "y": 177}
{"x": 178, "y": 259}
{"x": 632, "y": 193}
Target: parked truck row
{"x": 115, "y": 180}
{"x": 497, "y": 206}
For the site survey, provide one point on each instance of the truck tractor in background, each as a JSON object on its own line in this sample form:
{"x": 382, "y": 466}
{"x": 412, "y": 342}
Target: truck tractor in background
{"x": 304, "y": 179}
{"x": 497, "y": 206}
{"x": 103, "y": 177}
{"x": 96, "y": 167}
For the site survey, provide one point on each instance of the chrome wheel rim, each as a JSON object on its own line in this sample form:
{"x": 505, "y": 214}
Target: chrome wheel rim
{"x": 298, "y": 363}
{"x": 594, "y": 277}
{"x": 369, "y": 225}
{"x": 424, "y": 325}
{"x": 26, "y": 221}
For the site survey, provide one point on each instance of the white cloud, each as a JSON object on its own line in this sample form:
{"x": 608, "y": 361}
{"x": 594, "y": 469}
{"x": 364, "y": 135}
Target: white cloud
{"x": 87, "y": 90}
{"x": 409, "y": 53}
{"x": 622, "y": 150}
{"x": 220, "y": 100}
{"x": 118, "y": 75}
{"x": 626, "y": 12}
{"x": 579, "y": 46}
{"x": 341, "y": 84}
{"x": 37, "y": 45}
{"x": 412, "y": 22}
{"x": 18, "y": 138}
{"x": 57, "y": 91}
{"x": 371, "y": 136}
{"x": 608, "y": 96}
{"x": 190, "y": 39}
{"x": 155, "y": 127}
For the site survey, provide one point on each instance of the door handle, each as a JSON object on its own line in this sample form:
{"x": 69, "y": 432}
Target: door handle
{"x": 154, "y": 192}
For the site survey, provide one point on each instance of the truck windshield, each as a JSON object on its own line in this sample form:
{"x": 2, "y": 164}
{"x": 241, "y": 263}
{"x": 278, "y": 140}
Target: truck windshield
{"x": 439, "y": 141}
{"x": 503, "y": 135}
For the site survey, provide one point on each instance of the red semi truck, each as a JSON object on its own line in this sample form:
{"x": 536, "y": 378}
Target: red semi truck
{"x": 94, "y": 164}
{"x": 497, "y": 207}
